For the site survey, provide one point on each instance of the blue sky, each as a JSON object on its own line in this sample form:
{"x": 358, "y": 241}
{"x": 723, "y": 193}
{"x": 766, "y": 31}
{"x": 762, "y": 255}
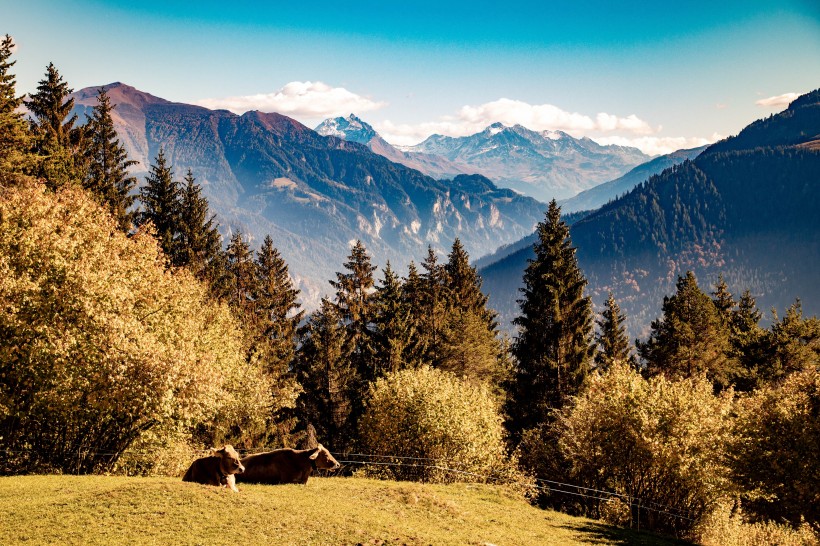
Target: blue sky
{"x": 659, "y": 76}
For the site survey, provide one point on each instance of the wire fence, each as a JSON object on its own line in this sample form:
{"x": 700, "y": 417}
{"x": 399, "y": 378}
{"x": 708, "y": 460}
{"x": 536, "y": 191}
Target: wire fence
{"x": 636, "y": 504}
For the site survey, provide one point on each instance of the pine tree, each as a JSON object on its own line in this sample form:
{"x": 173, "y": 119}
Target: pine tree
{"x": 15, "y": 138}
{"x": 464, "y": 285}
{"x": 690, "y": 339}
{"x": 243, "y": 283}
{"x": 394, "y": 326}
{"x": 553, "y": 347}
{"x": 434, "y": 300}
{"x": 723, "y": 300}
{"x": 612, "y": 341}
{"x": 160, "y": 199}
{"x": 791, "y": 344}
{"x": 411, "y": 296}
{"x": 354, "y": 303}
{"x": 108, "y": 163}
{"x": 328, "y": 378}
{"x": 57, "y": 140}
{"x": 199, "y": 239}
{"x": 277, "y": 304}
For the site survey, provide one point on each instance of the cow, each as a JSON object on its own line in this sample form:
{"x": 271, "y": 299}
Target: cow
{"x": 218, "y": 469}
{"x": 286, "y": 465}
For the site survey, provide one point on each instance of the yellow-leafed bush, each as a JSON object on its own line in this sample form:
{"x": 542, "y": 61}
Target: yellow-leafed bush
{"x": 100, "y": 343}
{"x": 428, "y": 421}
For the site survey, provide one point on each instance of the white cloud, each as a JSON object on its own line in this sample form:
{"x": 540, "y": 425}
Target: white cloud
{"x": 299, "y": 99}
{"x": 658, "y": 145}
{"x": 778, "y": 102}
{"x": 538, "y": 117}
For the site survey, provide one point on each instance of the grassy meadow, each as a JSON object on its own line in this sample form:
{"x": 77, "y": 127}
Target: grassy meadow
{"x": 109, "y": 510}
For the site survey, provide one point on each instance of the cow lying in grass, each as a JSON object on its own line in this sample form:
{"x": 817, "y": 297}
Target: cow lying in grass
{"x": 285, "y": 465}
{"x": 218, "y": 469}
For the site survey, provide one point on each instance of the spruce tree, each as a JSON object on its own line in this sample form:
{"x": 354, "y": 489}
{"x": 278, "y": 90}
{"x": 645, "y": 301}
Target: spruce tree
{"x": 394, "y": 326}
{"x": 553, "y": 348}
{"x": 411, "y": 296}
{"x": 464, "y": 285}
{"x": 57, "y": 141}
{"x": 690, "y": 339}
{"x": 354, "y": 303}
{"x": 108, "y": 163}
{"x": 243, "y": 283}
{"x": 434, "y": 300}
{"x": 15, "y": 138}
{"x": 612, "y": 341}
{"x": 329, "y": 380}
{"x": 745, "y": 343}
{"x": 160, "y": 199}
{"x": 723, "y": 300}
{"x": 199, "y": 239}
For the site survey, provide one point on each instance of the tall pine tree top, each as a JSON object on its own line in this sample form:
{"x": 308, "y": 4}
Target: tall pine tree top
{"x": 160, "y": 198}
{"x": 554, "y": 343}
{"x": 15, "y": 139}
{"x": 51, "y": 105}
{"x": 613, "y": 343}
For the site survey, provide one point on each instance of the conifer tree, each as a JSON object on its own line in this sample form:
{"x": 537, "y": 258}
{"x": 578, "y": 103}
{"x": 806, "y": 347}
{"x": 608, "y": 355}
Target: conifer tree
{"x": 554, "y": 347}
{"x": 464, "y": 285}
{"x": 612, "y": 341}
{"x": 328, "y": 378}
{"x": 792, "y": 344}
{"x": 199, "y": 239}
{"x": 160, "y": 199}
{"x": 394, "y": 326}
{"x": 277, "y": 305}
{"x": 108, "y": 163}
{"x": 15, "y": 139}
{"x": 411, "y": 295}
{"x": 354, "y": 303}
{"x": 434, "y": 300}
{"x": 745, "y": 343}
{"x": 57, "y": 140}
{"x": 723, "y": 300}
{"x": 243, "y": 282}
{"x": 690, "y": 339}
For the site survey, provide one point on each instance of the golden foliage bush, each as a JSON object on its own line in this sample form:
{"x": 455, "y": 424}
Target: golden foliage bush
{"x": 723, "y": 528}
{"x": 99, "y": 342}
{"x": 438, "y": 418}
{"x": 657, "y": 440}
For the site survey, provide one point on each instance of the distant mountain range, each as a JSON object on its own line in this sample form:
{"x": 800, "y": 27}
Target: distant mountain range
{"x": 745, "y": 207}
{"x": 544, "y": 165}
{"x": 269, "y": 174}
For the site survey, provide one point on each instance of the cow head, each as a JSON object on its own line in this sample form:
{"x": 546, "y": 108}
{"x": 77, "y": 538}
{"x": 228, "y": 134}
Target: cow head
{"x": 322, "y": 459}
{"x": 229, "y": 462}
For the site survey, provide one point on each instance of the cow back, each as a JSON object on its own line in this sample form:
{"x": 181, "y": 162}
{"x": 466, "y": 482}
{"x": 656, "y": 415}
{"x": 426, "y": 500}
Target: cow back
{"x": 275, "y": 467}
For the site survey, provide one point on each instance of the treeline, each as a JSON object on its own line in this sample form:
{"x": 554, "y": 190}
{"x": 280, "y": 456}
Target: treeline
{"x": 130, "y": 337}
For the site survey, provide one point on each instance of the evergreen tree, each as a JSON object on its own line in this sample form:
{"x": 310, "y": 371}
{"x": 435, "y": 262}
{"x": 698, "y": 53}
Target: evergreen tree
{"x": 791, "y": 344}
{"x": 15, "y": 139}
{"x": 553, "y": 347}
{"x": 745, "y": 343}
{"x": 243, "y": 282}
{"x": 394, "y": 326}
{"x": 411, "y": 296}
{"x": 354, "y": 303}
{"x": 160, "y": 199}
{"x": 57, "y": 140}
{"x": 690, "y": 339}
{"x": 328, "y": 378}
{"x": 612, "y": 341}
{"x": 464, "y": 285}
{"x": 723, "y": 300}
{"x": 434, "y": 300}
{"x": 277, "y": 305}
{"x": 199, "y": 239}
{"x": 108, "y": 163}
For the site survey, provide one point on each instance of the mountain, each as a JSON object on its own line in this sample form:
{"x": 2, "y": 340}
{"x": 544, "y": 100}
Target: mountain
{"x": 595, "y": 197}
{"x": 354, "y": 129}
{"x": 544, "y": 165}
{"x": 264, "y": 173}
{"x": 746, "y": 207}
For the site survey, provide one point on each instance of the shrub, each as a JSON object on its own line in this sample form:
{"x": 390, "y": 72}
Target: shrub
{"x": 100, "y": 343}
{"x": 656, "y": 440}
{"x": 724, "y": 528}
{"x": 774, "y": 451}
{"x": 438, "y": 418}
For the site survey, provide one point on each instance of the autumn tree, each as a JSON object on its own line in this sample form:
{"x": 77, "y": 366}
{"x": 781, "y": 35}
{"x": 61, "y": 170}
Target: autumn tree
{"x": 15, "y": 138}
{"x": 554, "y": 343}
{"x": 108, "y": 164}
{"x": 611, "y": 339}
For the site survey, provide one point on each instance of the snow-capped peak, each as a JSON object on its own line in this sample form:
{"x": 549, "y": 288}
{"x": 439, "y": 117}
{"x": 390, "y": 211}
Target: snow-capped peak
{"x": 349, "y": 128}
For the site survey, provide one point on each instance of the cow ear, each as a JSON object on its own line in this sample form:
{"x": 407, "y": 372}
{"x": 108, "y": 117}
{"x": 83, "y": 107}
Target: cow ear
{"x": 315, "y": 453}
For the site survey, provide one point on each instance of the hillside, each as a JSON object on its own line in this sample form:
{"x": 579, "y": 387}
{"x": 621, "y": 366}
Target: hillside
{"x": 117, "y": 510}
{"x": 745, "y": 207}
{"x": 544, "y": 165}
{"x": 264, "y": 173}
{"x": 599, "y": 195}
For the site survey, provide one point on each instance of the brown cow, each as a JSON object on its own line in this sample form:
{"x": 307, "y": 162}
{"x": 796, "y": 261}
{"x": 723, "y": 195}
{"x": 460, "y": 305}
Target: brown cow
{"x": 286, "y": 465}
{"x": 218, "y": 469}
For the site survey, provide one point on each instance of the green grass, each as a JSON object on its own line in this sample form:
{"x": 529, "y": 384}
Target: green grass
{"x": 119, "y": 510}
